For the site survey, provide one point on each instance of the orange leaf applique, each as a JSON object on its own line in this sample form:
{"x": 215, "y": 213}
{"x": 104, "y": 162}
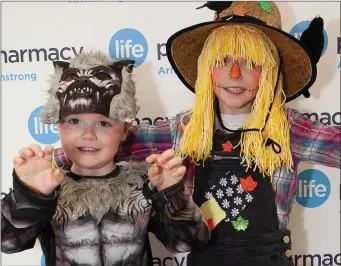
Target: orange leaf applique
{"x": 210, "y": 223}
{"x": 248, "y": 183}
{"x": 227, "y": 146}
{"x": 240, "y": 11}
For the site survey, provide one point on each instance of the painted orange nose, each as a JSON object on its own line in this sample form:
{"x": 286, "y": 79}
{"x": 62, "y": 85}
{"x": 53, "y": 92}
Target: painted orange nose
{"x": 235, "y": 71}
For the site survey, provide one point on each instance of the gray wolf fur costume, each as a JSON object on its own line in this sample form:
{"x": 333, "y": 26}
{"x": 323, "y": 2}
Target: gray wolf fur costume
{"x": 103, "y": 220}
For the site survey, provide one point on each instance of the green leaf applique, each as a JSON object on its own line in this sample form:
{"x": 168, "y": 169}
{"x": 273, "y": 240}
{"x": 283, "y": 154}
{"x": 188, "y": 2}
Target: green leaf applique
{"x": 265, "y": 6}
{"x": 240, "y": 224}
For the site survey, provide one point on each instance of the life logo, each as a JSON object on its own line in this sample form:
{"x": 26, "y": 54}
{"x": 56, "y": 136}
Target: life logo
{"x": 300, "y": 27}
{"x": 128, "y": 44}
{"x": 43, "y": 133}
{"x": 313, "y": 188}
{"x": 42, "y": 260}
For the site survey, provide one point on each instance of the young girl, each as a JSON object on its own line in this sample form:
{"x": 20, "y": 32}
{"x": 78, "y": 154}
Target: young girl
{"x": 100, "y": 213}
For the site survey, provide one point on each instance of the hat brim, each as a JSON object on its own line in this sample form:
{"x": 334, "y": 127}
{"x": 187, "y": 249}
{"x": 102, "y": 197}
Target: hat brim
{"x": 184, "y": 47}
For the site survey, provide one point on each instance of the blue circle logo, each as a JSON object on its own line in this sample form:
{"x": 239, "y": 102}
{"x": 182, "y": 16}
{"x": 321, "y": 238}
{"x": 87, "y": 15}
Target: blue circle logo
{"x": 43, "y": 133}
{"x": 128, "y": 44}
{"x": 299, "y": 28}
{"x": 42, "y": 260}
{"x": 313, "y": 188}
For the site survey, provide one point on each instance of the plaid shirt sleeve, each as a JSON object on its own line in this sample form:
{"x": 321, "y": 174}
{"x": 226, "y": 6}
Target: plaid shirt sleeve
{"x": 146, "y": 139}
{"x": 312, "y": 141}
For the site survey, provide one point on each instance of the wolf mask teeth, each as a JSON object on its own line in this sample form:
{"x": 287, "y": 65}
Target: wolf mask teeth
{"x": 91, "y": 83}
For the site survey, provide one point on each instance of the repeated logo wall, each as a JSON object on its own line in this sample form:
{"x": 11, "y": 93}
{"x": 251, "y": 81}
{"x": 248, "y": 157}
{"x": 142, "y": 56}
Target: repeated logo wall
{"x": 40, "y": 33}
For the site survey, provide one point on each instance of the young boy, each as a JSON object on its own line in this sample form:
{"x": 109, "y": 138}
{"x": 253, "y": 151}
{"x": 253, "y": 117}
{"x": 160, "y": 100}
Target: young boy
{"x": 100, "y": 212}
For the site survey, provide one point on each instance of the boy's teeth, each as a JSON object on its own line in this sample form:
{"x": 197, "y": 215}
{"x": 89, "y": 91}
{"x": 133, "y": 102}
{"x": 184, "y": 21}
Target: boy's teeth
{"x": 88, "y": 149}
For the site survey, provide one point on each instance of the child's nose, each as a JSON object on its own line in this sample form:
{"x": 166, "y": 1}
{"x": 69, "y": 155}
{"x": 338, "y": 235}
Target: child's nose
{"x": 235, "y": 71}
{"x": 89, "y": 134}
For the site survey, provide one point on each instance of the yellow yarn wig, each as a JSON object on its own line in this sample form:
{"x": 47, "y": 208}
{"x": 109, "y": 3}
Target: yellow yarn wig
{"x": 246, "y": 42}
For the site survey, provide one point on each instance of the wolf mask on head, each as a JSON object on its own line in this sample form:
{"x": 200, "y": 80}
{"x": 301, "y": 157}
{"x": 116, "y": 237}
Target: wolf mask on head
{"x": 91, "y": 83}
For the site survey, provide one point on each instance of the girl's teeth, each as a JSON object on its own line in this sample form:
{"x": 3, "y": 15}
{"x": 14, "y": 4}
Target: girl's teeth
{"x": 235, "y": 90}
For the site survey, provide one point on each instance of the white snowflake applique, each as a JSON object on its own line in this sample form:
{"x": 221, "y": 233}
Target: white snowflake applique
{"x": 248, "y": 198}
{"x": 234, "y": 180}
{"x": 208, "y": 195}
{"x": 234, "y": 212}
{"x": 223, "y": 182}
{"x": 219, "y": 194}
{"x": 237, "y": 200}
{"x": 227, "y": 220}
{"x": 226, "y": 204}
{"x": 229, "y": 192}
{"x": 240, "y": 189}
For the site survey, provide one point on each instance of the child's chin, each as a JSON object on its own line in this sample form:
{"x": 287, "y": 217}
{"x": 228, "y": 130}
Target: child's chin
{"x": 235, "y": 104}
{"x": 87, "y": 164}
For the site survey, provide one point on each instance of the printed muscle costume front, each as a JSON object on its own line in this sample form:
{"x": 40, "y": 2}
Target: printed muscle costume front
{"x": 242, "y": 168}
{"x": 98, "y": 220}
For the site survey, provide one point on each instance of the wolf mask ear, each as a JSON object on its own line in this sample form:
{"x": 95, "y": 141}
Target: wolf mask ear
{"x": 60, "y": 65}
{"x": 118, "y": 66}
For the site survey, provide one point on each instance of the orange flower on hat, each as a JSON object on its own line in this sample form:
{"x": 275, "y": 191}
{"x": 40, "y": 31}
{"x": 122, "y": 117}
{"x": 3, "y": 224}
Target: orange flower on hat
{"x": 227, "y": 146}
{"x": 248, "y": 183}
{"x": 240, "y": 11}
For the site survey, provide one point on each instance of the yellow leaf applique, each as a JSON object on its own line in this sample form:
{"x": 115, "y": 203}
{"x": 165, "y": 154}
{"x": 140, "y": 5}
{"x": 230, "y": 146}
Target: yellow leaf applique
{"x": 212, "y": 212}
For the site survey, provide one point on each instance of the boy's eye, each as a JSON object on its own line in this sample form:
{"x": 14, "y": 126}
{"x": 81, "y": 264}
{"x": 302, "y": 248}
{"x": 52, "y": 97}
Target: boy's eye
{"x": 104, "y": 124}
{"x": 73, "y": 121}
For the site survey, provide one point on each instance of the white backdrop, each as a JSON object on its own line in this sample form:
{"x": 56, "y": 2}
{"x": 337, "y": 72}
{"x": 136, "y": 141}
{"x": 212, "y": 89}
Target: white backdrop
{"x": 58, "y": 29}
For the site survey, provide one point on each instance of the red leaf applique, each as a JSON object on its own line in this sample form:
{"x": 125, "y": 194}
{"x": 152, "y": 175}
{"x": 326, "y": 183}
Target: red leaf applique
{"x": 248, "y": 183}
{"x": 227, "y": 146}
{"x": 210, "y": 223}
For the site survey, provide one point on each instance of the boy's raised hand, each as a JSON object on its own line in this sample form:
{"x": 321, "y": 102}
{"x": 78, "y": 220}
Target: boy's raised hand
{"x": 167, "y": 169}
{"x": 33, "y": 166}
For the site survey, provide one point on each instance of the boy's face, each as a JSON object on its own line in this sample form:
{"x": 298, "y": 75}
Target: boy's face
{"x": 91, "y": 141}
{"x": 236, "y": 86}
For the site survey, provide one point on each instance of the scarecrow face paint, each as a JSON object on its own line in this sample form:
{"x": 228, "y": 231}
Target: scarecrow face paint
{"x": 236, "y": 85}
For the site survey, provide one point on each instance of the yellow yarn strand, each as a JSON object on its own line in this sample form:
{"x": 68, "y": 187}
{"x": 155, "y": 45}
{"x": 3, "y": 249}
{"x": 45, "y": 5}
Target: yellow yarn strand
{"x": 251, "y": 44}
